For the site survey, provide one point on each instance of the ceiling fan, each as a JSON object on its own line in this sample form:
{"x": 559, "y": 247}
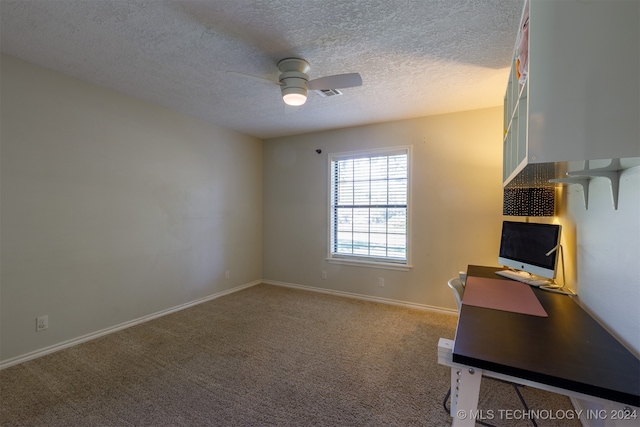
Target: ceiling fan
{"x": 294, "y": 80}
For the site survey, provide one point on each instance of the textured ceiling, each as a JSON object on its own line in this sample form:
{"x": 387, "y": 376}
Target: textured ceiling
{"x": 416, "y": 57}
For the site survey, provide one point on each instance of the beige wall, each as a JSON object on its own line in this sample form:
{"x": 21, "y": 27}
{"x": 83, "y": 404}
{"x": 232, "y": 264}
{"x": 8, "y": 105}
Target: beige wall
{"x": 603, "y": 252}
{"x": 114, "y": 209}
{"x": 456, "y": 218}
{"x": 456, "y": 205}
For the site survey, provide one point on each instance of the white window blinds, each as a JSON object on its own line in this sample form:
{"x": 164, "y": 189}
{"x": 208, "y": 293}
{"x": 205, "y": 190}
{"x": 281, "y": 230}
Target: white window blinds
{"x": 369, "y": 215}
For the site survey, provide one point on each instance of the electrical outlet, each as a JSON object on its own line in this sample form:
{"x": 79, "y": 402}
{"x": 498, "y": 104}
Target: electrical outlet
{"x": 381, "y": 281}
{"x": 42, "y": 323}
{"x": 227, "y": 275}
{"x": 324, "y": 275}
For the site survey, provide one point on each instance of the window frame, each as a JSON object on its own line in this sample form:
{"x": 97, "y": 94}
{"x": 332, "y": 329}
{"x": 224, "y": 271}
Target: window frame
{"x": 365, "y": 260}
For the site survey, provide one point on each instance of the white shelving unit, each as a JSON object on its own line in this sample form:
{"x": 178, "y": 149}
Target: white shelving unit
{"x": 581, "y": 98}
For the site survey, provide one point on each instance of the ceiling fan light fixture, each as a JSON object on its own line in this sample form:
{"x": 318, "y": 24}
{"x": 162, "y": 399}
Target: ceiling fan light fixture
{"x": 294, "y": 81}
{"x": 294, "y": 96}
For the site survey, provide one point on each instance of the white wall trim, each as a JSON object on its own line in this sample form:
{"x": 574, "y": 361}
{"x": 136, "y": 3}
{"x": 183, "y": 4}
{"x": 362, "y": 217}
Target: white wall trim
{"x": 364, "y": 297}
{"x": 93, "y": 335}
{"x": 579, "y": 409}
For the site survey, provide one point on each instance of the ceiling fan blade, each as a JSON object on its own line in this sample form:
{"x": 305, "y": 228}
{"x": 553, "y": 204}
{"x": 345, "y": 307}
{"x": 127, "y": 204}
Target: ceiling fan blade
{"x": 263, "y": 79}
{"x": 339, "y": 81}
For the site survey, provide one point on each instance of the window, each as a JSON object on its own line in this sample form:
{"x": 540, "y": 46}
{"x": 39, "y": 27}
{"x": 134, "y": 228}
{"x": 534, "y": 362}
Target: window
{"x": 369, "y": 207}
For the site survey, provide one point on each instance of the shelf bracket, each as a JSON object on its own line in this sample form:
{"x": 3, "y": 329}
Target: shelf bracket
{"x": 612, "y": 172}
{"x": 583, "y": 182}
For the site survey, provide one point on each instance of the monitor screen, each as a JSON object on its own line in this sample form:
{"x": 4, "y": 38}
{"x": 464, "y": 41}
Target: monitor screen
{"x": 524, "y": 246}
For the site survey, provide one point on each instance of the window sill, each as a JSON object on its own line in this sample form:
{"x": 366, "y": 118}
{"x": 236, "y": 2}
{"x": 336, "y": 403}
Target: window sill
{"x": 371, "y": 264}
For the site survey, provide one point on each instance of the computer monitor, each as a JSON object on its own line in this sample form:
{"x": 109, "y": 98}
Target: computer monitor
{"x": 530, "y": 247}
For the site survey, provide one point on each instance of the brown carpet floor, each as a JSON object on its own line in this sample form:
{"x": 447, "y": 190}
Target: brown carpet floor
{"x": 264, "y": 356}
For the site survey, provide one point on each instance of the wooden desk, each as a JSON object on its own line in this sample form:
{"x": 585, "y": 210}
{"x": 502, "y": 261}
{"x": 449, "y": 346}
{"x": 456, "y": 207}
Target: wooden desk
{"x": 567, "y": 352}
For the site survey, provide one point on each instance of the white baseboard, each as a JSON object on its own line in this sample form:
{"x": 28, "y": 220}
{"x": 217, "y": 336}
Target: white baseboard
{"x": 577, "y": 406}
{"x": 601, "y": 413}
{"x": 364, "y": 297}
{"x": 93, "y": 335}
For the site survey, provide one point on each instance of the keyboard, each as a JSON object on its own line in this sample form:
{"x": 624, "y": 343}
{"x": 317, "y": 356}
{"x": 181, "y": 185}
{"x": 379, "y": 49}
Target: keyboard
{"x": 524, "y": 277}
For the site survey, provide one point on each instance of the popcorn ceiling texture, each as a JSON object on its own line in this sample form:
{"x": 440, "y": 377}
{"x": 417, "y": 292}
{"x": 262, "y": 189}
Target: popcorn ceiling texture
{"x": 416, "y": 58}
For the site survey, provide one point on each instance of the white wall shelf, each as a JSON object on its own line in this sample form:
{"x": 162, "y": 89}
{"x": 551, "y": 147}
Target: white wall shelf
{"x": 583, "y": 182}
{"x": 611, "y": 172}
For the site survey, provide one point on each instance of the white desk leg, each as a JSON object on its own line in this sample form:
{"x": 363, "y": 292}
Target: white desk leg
{"x": 465, "y": 386}
{"x": 465, "y": 390}
{"x": 454, "y": 390}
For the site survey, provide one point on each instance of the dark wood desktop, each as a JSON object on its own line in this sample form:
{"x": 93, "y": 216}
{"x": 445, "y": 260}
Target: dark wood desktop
{"x": 568, "y": 349}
